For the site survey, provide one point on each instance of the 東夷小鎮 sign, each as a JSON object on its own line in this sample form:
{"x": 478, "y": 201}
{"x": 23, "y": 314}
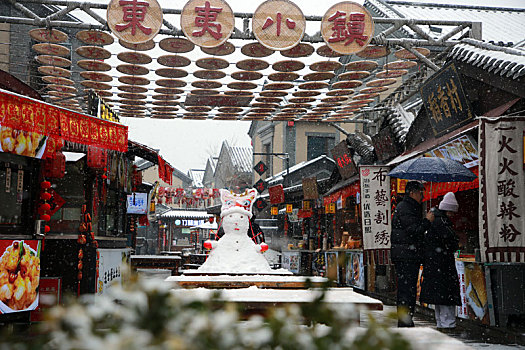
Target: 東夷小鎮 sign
{"x": 134, "y": 21}
{"x": 207, "y": 23}
{"x": 347, "y": 27}
{"x": 375, "y": 206}
{"x": 445, "y": 101}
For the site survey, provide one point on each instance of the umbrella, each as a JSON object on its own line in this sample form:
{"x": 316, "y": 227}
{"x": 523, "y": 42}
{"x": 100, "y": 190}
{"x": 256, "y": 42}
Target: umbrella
{"x": 433, "y": 169}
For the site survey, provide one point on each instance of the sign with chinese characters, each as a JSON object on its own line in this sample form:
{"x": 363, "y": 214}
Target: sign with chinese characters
{"x": 276, "y": 194}
{"x": 278, "y": 24}
{"x": 260, "y": 204}
{"x": 50, "y": 295}
{"x": 445, "y": 101}
{"x": 347, "y": 27}
{"x": 289, "y": 208}
{"x": 344, "y": 161}
{"x": 207, "y": 23}
{"x": 260, "y": 168}
{"x": 375, "y": 206}
{"x": 275, "y": 211}
{"x": 260, "y": 186}
{"x": 111, "y": 264}
{"x": 310, "y": 188}
{"x": 502, "y": 189}
{"x": 462, "y": 150}
{"x": 137, "y": 203}
{"x": 134, "y": 21}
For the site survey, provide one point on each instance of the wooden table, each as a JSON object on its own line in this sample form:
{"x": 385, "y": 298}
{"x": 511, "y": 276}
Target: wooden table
{"x": 169, "y": 262}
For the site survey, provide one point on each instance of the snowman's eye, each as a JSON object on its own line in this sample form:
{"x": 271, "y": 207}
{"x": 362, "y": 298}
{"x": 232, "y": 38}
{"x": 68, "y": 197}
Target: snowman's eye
{"x": 242, "y": 216}
{"x": 229, "y": 203}
{"x": 246, "y": 203}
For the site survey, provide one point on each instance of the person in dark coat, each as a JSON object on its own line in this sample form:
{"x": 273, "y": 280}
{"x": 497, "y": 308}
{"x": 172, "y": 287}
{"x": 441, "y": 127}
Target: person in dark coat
{"x": 440, "y": 279}
{"x": 408, "y": 233}
{"x": 254, "y": 232}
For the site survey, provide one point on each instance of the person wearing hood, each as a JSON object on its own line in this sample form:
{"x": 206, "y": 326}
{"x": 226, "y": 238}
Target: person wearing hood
{"x": 408, "y": 233}
{"x": 440, "y": 285}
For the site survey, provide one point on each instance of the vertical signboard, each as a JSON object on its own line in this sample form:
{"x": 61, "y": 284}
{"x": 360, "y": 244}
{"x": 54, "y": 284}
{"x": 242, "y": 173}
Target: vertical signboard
{"x": 375, "y": 206}
{"x": 111, "y": 265}
{"x": 502, "y": 190}
{"x": 20, "y": 262}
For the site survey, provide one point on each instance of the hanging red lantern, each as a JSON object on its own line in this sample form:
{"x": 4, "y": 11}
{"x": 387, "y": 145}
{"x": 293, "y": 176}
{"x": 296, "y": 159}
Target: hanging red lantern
{"x": 45, "y": 185}
{"x": 47, "y": 229}
{"x": 45, "y": 207}
{"x": 45, "y": 196}
{"x": 45, "y": 217}
{"x": 55, "y": 167}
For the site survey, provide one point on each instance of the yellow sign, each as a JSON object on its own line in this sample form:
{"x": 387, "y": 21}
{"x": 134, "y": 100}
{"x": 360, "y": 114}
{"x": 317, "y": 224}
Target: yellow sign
{"x": 289, "y": 208}
{"x": 275, "y": 211}
{"x": 306, "y": 205}
{"x": 332, "y": 208}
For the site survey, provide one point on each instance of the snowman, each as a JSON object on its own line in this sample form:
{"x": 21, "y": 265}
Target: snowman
{"x": 235, "y": 252}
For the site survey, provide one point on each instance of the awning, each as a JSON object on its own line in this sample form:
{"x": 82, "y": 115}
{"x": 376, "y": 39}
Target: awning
{"x": 343, "y": 190}
{"x": 432, "y": 143}
{"x": 34, "y": 116}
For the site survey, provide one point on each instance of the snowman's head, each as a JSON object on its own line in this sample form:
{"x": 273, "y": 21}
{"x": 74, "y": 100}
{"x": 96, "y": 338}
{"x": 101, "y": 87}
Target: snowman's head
{"x": 237, "y": 203}
{"x": 235, "y": 223}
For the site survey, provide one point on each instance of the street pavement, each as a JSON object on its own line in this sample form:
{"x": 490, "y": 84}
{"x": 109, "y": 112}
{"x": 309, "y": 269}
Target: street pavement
{"x": 470, "y": 337}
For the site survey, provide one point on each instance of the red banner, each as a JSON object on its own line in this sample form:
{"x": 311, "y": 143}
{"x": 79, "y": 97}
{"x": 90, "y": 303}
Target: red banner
{"x": 33, "y": 116}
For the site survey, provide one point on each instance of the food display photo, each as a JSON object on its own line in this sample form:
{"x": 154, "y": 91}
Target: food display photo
{"x": 19, "y": 275}
{"x": 22, "y": 143}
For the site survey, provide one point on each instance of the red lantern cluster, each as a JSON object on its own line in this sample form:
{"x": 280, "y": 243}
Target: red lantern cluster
{"x": 44, "y": 208}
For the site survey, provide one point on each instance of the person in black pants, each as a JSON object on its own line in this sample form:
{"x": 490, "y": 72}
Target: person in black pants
{"x": 254, "y": 232}
{"x": 408, "y": 234}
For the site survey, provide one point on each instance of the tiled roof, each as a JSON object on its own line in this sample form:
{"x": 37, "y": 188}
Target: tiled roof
{"x": 498, "y": 24}
{"x": 504, "y": 61}
{"x": 241, "y": 158}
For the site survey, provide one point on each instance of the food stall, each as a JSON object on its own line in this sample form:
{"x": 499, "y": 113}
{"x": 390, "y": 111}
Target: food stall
{"x": 64, "y": 176}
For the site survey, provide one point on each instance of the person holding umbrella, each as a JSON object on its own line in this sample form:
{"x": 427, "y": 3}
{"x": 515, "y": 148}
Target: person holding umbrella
{"x": 408, "y": 233}
{"x": 440, "y": 279}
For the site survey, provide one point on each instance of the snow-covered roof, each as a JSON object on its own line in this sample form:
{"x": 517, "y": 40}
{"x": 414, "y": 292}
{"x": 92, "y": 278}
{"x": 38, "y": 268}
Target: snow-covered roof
{"x": 495, "y": 59}
{"x": 280, "y": 176}
{"x": 207, "y": 225}
{"x": 186, "y": 214}
{"x": 196, "y": 175}
{"x": 241, "y": 158}
{"x": 498, "y": 24}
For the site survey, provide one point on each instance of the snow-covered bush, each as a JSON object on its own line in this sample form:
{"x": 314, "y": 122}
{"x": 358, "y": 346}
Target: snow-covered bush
{"x": 146, "y": 315}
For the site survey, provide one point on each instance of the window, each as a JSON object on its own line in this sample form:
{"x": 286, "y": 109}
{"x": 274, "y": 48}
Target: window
{"x": 319, "y": 145}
